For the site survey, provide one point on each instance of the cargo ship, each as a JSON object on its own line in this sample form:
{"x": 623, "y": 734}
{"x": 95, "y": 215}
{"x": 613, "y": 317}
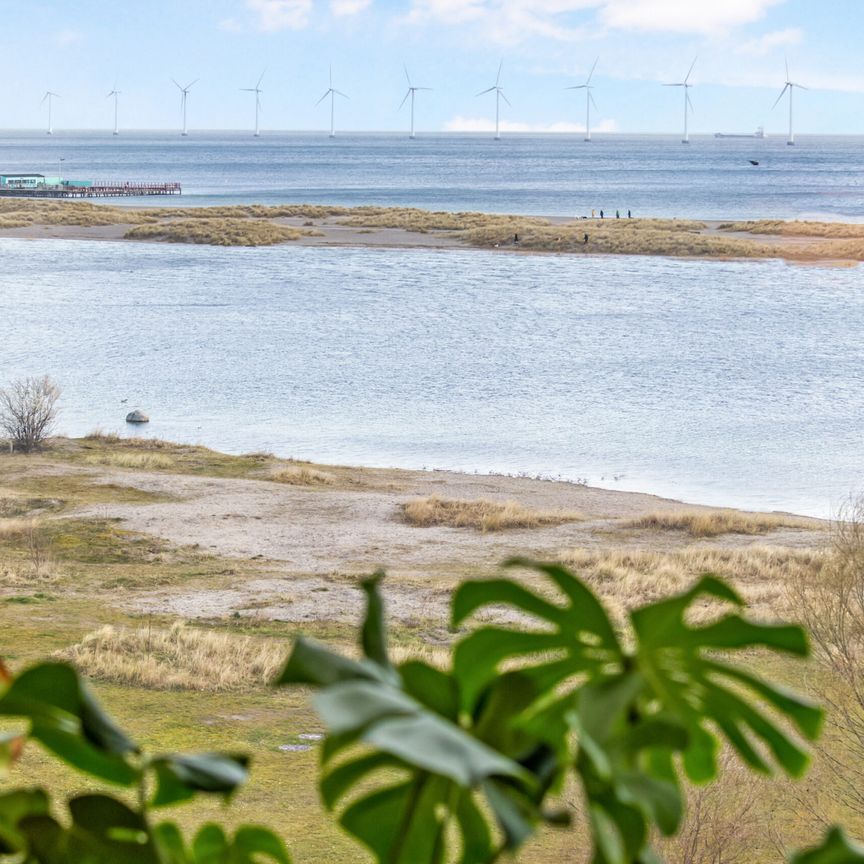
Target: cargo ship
{"x": 759, "y": 133}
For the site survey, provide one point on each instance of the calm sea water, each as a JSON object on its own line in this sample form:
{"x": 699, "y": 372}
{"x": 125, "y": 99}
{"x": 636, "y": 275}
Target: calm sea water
{"x": 717, "y": 382}
{"x": 554, "y": 174}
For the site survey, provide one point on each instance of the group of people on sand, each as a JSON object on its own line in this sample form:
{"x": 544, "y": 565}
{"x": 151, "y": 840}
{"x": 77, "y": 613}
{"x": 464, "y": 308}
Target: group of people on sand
{"x": 603, "y": 214}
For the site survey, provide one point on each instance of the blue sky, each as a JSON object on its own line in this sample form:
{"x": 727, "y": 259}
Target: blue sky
{"x": 80, "y": 48}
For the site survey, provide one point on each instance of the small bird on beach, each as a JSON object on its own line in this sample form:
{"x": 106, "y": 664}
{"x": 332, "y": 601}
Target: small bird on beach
{"x": 123, "y": 401}
{"x": 752, "y": 161}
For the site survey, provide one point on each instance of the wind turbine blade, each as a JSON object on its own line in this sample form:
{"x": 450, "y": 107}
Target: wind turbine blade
{"x": 484, "y": 92}
{"x": 687, "y": 76}
{"x": 340, "y": 93}
{"x": 189, "y": 86}
{"x": 407, "y": 76}
{"x": 177, "y": 85}
{"x": 248, "y": 90}
{"x": 44, "y": 98}
{"x": 110, "y": 95}
{"x": 786, "y": 60}
{"x": 404, "y": 100}
{"x": 504, "y": 97}
{"x": 261, "y": 79}
{"x": 591, "y": 73}
{"x": 323, "y": 98}
{"x": 498, "y": 76}
{"x": 800, "y": 86}
{"x": 782, "y": 94}
{"x": 591, "y": 97}
{"x": 673, "y": 85}
{"x": 331, "y": 75}
{"x": 690, "y": 104}
{"x": 422, "y": 88}
{"x": 577, "y": 87}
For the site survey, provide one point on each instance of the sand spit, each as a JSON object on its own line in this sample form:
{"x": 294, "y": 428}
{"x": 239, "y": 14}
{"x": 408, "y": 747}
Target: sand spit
{"x": 398, "y": 227}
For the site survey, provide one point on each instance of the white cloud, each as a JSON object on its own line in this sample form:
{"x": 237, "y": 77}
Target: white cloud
{"x": 483, "y": 124}
{"x": 683, "y": 16}
{"x": 513, "y": 20}
{"x": 762, "y": 45}
{"x": 281, "y": 14}
{"x": 341, "y": 8}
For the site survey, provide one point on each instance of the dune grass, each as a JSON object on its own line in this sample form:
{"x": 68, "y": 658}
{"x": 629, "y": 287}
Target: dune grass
{"x": 713, "y": 523}
{"x": 302, "y": 476}
{"x": 777, "y": 227}
{"x": 634, "y": 576}
{"x": 218, "y": 232}
{"x": 481, "y": 515}
{"x": 178, "y": 658}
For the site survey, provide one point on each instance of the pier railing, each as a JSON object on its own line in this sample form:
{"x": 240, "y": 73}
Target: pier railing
{"x": 100, "y": 189}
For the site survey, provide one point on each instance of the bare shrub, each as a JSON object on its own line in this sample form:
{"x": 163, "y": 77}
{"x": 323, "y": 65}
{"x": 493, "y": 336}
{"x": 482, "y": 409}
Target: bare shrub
{"x": 28, "y": 411}
{"x": 831, "y": 608}
{"x": 725, "y": 821}
{"x": 482, "y": 515}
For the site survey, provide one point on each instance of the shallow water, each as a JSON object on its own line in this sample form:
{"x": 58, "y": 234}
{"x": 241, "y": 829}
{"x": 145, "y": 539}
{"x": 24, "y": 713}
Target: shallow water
{"x": 552, "y": 174}
{"x": 735, "y": 383}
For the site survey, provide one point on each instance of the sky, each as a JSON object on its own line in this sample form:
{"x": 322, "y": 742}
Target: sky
{"x": 83, "y": 48}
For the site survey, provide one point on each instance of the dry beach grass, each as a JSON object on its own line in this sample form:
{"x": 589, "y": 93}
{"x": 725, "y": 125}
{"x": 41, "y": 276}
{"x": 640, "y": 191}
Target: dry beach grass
{"x": 313, "y": 224}
{"x": 481, "y": 515}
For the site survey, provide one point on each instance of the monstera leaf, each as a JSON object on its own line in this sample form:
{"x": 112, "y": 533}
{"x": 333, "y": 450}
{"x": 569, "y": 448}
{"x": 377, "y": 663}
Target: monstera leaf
{"x": 690, "y": 682}
{"x": 435, "y": 770}
{"x": 634, "y": 710}
{"x": 211, "y": 845}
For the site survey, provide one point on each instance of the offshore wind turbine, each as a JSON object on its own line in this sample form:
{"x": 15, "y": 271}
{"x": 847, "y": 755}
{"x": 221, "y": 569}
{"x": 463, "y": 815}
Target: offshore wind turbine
{"x": 49, "y": 95}
{"x": 257, "y": 91}
{"x": 115, "y": 93}
{"x": 790, "y": 86}
{"x": 332, "y": 92}
{"x": 412, "y": 90}
{"x": 499, "y": 95}
{"x": 184, "y": 93}
{"x": 589, "y": 99}
{"x": 687, "y": 103}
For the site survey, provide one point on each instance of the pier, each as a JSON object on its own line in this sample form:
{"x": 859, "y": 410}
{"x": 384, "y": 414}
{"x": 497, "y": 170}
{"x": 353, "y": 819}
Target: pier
{"x": 96, "y": 189}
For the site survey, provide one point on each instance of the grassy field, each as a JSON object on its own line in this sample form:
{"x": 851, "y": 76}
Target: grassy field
{"x": 72, "y": 573}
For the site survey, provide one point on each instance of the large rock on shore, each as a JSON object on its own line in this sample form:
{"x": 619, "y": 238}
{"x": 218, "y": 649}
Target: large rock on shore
{"x": 137, "y": 416}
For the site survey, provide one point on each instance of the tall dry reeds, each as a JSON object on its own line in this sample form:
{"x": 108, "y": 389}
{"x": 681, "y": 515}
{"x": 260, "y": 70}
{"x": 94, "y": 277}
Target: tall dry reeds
{"x": 481, "y": 515}
{"x": 713, "y": 523}
{"x": 178, "y": 658}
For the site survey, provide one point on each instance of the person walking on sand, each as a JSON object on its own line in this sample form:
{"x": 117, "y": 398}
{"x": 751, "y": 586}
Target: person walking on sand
{"x": 585, "y": 241}
{"x": 593, "y": 212}
{"x": 617, "y": 214}
{"x": 601, "y": 214}
{"x": 628, "y": 215}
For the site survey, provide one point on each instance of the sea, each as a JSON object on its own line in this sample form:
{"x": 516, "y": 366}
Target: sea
{"x": 717, "y": 382}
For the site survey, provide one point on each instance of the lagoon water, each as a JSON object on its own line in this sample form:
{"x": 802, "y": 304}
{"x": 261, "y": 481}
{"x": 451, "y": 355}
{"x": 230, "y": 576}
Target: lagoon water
{"x": 821, "y": 177}
{"x": 733, "y": 383}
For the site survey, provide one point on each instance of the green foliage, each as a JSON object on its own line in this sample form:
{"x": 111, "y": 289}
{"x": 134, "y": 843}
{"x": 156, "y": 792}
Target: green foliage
{"x": 67, "y": 721}
{"x": 469, "y": 755}
{"x": 429, "y": 765}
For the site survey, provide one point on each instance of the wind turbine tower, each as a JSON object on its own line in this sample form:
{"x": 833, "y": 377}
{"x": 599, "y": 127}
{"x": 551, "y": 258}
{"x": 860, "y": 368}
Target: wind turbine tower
{"x": 184, "y": 93}
{"x": 412, "y": 90}
{"x": 790, "y": 86}
{"x": 332, "y": 92}
{"x": 49, "y": 95}
{"x": 115, "y": 93}
{"x": 499, "y": 95}
{"x": 589, "y": 99}
{"x": 688, "y": 105}
{"x": 257, "y": 91}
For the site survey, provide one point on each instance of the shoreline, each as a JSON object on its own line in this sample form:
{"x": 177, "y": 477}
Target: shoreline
{"x": 829, "y": 244}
